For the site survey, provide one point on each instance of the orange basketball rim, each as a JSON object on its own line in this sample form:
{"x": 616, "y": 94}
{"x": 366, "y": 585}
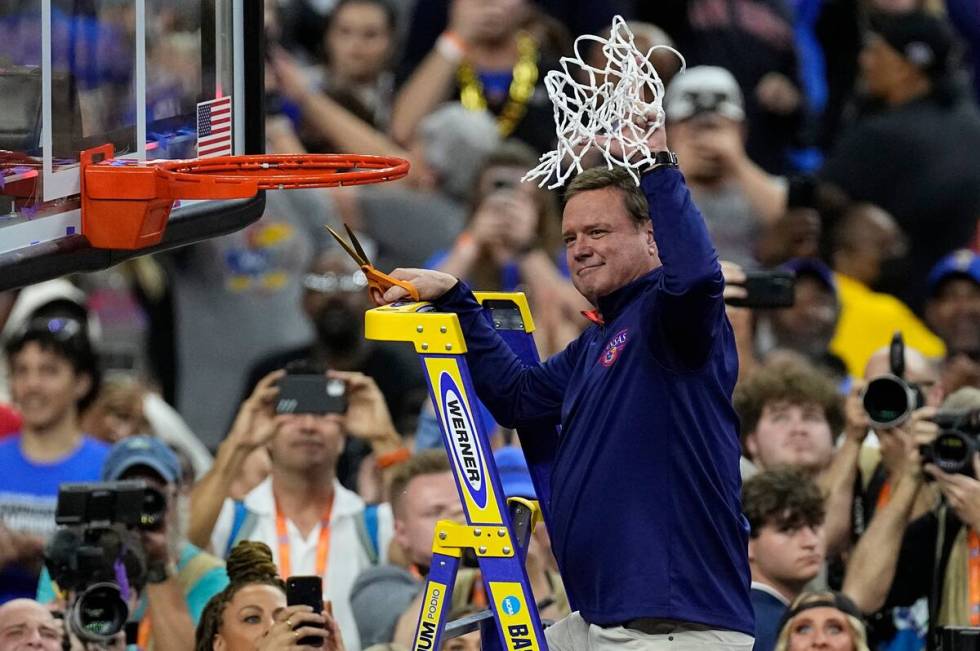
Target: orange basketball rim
{"x": 126, "y": 206}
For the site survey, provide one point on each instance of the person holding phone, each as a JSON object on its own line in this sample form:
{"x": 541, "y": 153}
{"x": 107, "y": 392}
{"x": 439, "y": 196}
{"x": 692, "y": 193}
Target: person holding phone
{"x": 313, "y": 525}
{"x": 252, "y": 613}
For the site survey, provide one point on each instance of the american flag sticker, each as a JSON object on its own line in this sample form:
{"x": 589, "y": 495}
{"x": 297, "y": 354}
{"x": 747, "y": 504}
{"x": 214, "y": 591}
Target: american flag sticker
{"x": 214, "y": 128}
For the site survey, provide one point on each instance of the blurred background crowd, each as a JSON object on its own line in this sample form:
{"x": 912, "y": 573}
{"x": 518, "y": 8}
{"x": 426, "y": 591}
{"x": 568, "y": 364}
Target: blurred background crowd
{"x": 837, "y": 139}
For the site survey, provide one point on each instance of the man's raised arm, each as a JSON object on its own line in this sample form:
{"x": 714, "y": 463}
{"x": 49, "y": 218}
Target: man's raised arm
{"x": 692, "y": 303}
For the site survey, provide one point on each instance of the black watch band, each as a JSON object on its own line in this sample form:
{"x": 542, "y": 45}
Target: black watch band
{"x": 662, "y": 158}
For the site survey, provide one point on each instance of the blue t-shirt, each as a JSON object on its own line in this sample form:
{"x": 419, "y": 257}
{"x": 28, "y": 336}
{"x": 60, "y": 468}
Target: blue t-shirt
{"x": 29, "y": 495}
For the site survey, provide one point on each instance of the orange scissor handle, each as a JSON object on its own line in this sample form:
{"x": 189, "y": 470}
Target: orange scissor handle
{"x": 380, "y": 282}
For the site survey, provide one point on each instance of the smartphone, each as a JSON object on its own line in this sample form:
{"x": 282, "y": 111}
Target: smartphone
{"x": 306, "y": 591}
{"x": 311, "y": 394}
{"x": 767, "y": 290}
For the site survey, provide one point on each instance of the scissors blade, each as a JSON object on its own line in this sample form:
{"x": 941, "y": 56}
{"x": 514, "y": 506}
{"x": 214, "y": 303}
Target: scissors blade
{"x": 351, "y": 252}
{"x": 357, "y": 245}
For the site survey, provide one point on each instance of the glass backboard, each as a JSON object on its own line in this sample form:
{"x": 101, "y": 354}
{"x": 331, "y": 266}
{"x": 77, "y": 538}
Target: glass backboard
{"x": 156, "y": 79}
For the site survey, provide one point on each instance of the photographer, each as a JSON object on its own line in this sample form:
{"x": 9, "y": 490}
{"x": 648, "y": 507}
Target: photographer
{"x": 860, "y": 477}
{"x": 180, "y": 577}
{"x": 312, "y": 523}
{"x": 934, "y": 552}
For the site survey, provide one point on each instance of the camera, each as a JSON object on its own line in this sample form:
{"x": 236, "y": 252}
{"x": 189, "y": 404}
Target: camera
{"x": 96, "y": 554}
{"x": 889, "y": 399}
{"x": 958, "y": 440}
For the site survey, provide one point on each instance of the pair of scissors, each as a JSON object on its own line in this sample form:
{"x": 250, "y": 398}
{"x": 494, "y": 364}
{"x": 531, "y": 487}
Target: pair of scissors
{"x": 378, "y": 282}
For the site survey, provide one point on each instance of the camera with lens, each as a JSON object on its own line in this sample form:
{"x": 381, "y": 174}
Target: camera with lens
{"x": 96, "y": 554}
{"x": 958, "y": 440}
{"x": 890, "y": 399}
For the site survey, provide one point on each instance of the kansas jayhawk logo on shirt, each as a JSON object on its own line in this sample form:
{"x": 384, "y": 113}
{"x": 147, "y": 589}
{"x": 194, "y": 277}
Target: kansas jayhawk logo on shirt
{"x": 615, "y": 346}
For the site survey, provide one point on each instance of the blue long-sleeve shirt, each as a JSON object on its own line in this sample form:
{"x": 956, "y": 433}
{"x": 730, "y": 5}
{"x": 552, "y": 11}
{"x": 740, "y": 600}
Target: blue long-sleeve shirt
{"x": 645, "y": 511}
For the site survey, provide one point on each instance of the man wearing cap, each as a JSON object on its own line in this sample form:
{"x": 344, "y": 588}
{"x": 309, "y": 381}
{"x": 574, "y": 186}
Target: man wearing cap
{"x": 707, "y": 130}
{"x": 180, "y": 577}
{"x": 917, "y": 157}
{"x": 808, "y": 326}
{"x": 953, "y": 311}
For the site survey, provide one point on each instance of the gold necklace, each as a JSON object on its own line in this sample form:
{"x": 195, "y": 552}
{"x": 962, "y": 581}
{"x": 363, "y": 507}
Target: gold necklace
{"x": 523, "y": 77}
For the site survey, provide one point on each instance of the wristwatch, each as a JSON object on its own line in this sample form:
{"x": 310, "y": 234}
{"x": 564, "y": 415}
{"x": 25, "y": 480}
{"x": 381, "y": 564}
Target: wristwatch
{"x": 662, "y": 158}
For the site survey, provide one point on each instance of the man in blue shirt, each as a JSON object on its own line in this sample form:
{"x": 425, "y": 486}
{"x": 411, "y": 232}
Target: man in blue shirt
{"x": 645, "y": 513}
{"x": 53, "y": 375}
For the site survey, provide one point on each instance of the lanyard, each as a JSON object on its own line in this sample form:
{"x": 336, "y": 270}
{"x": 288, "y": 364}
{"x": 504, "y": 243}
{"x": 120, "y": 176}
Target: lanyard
{"x": 973, "y": 574}
{"x": 144, "y": 633}
{"x": 884, "y": 496}
{"x": 322, "y": 545}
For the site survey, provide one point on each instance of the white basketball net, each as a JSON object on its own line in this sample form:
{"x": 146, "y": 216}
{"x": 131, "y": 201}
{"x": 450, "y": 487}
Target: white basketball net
{"x": 601, "y": 108}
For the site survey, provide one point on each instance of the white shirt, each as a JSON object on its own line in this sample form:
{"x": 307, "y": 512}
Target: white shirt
{"x": 345, "y": 560}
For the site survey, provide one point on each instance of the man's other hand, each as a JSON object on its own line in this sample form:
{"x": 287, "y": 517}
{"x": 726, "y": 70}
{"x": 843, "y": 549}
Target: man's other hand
{"x": 430, "y": 284}
{"x": 962, "y": 493}
{"x": 256, "y": 421}
{"x": 367, "y": 415}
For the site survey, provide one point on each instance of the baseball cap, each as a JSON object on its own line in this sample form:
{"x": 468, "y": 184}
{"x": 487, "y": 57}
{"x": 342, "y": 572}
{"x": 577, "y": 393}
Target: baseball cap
{"x": 830, "y": 599}
{"x": 923, "y": 39}
{"x": 704, "y": 89}
{"x": 814, "y": 268}
{"x": 963, "y": 263}
{"x": 513, "y": 472}
{"x": 146, "y": 451}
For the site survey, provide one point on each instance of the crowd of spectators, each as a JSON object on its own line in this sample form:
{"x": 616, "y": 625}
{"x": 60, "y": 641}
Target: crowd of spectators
{"x": 836, "y": 140}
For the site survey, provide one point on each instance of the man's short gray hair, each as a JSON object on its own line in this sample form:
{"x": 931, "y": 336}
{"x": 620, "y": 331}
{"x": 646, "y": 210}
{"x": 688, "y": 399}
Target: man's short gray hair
{"x": 599, "y": 178}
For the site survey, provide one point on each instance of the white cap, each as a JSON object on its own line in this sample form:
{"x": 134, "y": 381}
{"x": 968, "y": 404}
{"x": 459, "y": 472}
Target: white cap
{"x": 704, "y": 89}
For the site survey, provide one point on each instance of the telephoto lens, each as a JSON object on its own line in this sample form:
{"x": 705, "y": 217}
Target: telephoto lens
{"x": 889, "y": 401}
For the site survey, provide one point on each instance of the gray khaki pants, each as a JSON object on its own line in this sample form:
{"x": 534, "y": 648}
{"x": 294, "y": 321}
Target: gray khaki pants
{"x": 575, "y": 634}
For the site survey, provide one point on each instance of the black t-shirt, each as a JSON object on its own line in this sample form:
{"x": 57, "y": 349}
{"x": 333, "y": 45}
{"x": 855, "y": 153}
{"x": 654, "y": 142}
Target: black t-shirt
{"x": 749, "y": 38}
{"x": 919, "y": 161}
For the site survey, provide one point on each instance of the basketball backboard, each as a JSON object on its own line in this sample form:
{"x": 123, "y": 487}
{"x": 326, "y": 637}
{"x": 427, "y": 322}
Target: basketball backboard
{"x": 156, "y": 79}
